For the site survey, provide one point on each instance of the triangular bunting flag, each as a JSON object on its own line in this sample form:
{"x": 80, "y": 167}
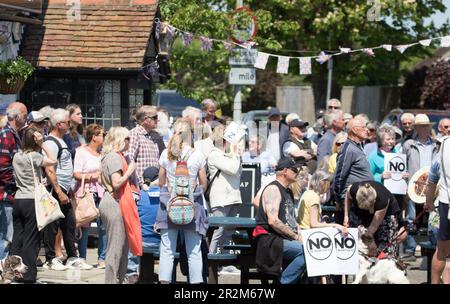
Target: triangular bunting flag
{"x": 305, "y": 65}
{"x": 402, "y": 48}
{"x": 322, "y": 58}
{"x": 425, "y": 42}
{"x": 206, "y": 44}
{"x": 187, "y": 39}
{"x": 261, "y": 60}
{"x": 283, "y": 65}
{"x": 445, "y": 41}
{"x": 345, "y": 50}
{"x": 387, "y": 47}
{"x": 369, "y": 52}
{"x": 168, "y": 30}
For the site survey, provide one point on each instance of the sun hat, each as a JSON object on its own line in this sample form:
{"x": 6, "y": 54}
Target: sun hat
{"x": 422, "y": 119}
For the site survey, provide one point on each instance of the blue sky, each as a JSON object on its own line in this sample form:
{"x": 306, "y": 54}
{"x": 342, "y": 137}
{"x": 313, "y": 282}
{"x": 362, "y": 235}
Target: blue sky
{"x": 439, "y": 18}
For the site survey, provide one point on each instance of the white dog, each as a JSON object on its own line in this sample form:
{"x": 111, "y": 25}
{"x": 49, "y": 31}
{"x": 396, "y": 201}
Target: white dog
{"x": 374, "y": 271}
{"x": 11, "y": 267}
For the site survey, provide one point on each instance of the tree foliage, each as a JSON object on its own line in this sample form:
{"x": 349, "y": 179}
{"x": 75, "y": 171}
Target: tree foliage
{"x": 436, "y": 87}
{"x": 294, "y": 27}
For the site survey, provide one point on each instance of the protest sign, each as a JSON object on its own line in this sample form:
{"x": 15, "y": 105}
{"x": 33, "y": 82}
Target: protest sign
{"x": 395, "y": 163}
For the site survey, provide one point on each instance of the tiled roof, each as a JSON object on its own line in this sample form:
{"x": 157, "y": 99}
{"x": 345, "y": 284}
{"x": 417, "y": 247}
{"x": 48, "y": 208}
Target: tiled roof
{"x": 111, "y": 34}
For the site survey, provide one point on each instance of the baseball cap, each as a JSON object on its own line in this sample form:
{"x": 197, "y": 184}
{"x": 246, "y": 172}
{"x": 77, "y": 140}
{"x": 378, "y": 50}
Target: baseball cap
{"x": 150, "y": 174}
{"x": 35, "y": 116}
{"x": 274, "y": 111}
{"x": 298, "y": 123}
{"x": 286, "y": 163}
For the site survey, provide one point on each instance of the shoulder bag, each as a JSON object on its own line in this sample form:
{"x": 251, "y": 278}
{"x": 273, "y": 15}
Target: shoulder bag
{"x": 46, "y": 206}
{"x": 84, "y": 205}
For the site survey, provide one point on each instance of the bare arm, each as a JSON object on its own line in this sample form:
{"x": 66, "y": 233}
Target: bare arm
{"x": 202, "y": 178}
{"x": 271, "y": 203}
{"x": 48, "y": 159}
{"x": 162, "y": 177}
{"x": 347, "y": 203}
{"x": 52, "y": 179}
{"x": 314, "y": 215}
{"x": 117, "y": 179}
{"x": 376, "y": 221}
{"x": 429, "y": 197}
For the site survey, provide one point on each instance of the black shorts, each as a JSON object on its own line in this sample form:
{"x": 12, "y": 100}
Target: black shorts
{"x": 444, "y": 223}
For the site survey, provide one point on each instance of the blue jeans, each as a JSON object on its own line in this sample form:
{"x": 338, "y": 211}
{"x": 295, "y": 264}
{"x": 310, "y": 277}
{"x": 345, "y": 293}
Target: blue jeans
{"x": 410, "y": 243}
{"x": 293, "y": 252}
{"x": 83, "y": 242}
{"x": 193, "y": 242}
{"x": 6, "y": 228}
{"x": 133, "y": 261}
{"x": 102, "y": 240}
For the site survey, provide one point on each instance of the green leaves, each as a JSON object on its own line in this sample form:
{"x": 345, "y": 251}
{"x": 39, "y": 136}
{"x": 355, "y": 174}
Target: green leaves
{"x": 15, "y": 69}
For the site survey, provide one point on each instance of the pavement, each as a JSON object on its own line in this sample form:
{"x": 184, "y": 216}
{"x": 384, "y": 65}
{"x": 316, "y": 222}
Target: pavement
{"x": 416, "y": 273}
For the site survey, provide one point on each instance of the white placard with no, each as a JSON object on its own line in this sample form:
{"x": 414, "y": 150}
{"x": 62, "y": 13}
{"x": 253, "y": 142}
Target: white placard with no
{"x": 327, "y": 252}
{"x": 395, "y": 163}
{"x": 234, "y": 133}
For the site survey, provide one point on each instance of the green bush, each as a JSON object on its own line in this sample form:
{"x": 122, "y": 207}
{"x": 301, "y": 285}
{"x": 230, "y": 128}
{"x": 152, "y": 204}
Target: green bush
{"x": 15, "y": 69}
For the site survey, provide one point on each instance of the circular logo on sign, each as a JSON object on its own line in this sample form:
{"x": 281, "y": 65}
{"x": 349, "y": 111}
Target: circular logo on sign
{"x": 319, "y": 246}
{"x": 396, "y": 167}
{"x": 243, "y": 25}
{"x": 345, "y": 247}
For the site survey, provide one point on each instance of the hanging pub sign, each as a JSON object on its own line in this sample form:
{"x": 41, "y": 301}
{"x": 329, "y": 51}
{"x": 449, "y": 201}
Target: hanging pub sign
{"x": 243, "y": 25}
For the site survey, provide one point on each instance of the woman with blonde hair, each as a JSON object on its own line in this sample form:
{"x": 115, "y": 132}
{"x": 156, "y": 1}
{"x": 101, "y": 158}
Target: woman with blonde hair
{"x": 338, "y": 141}
{"x": 310, "y": 212}
{"x": 370, "y": 204}
{"x": 180, "y": 149}
{"x": 114, "y": 177}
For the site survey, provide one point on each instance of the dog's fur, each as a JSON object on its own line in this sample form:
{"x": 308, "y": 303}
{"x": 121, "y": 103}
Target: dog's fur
{"x": 12, "y": 267}
{"x": 382, "y": 271}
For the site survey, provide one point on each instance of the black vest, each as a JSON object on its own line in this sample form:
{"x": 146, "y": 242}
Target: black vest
{"x": 286, "y": 212}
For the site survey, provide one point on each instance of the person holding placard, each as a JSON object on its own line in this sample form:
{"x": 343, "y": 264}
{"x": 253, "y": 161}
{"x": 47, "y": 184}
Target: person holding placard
{"x": 386, "y": 144}
{"x": 370, "y": 204}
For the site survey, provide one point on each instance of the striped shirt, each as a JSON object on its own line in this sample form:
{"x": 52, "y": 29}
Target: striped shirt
{"x": 143, "y": 151}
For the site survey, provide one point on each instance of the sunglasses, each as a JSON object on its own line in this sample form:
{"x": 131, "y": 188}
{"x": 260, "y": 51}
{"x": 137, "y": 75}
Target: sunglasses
{"x": 295, "y": 170}
{"x": 339, "y": 144}
{"x": 153, "y": 117}
{"x": 333, "y": 108}
{"x": 446, "y": 127}
{"x": 127, "y": 138}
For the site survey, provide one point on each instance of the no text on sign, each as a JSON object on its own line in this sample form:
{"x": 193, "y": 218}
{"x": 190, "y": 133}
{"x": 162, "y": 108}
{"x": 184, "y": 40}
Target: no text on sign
{"x": 242, "y": 76}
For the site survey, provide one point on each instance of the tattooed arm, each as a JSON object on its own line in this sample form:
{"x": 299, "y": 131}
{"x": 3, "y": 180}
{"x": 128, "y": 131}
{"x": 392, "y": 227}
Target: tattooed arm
{"x": 271, "y": 202}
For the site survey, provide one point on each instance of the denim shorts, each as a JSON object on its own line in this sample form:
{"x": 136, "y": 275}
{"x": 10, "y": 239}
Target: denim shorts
{"x": 444, "y": 223}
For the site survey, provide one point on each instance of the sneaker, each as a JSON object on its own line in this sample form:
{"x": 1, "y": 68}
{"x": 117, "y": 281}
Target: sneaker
{"x": 78, "y": 263}
{"x": 229, "y": 270}
{"x": 56, "y": 264}
{"x": 101, "y": 264}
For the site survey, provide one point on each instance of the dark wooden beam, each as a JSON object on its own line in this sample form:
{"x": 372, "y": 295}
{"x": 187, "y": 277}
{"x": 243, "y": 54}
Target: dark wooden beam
{"x": 20, "y": 19}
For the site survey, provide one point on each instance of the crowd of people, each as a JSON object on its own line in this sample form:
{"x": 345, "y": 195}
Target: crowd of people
{"x": 337, "y": 160}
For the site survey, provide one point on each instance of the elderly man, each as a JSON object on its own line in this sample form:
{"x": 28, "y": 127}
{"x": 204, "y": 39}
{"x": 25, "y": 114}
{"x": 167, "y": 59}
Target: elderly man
{"x": 10, "y": 143}
{"x": 335, "y": 122}
{"x": 333, "y": 104}
{"x": 143, "y": 149}
{"x": 278, "y": 234}
{"x": 444, "y": 127}
{"x": 300, "y": 148}
{"x": 420, "y": 151}
{"x": 278, "y": 133}
{"x": 352, "y": 164}
{"x": 407, "y": 121}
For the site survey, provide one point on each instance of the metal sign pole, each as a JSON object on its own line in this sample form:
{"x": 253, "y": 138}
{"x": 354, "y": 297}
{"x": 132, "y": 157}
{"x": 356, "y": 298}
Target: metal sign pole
{"x": 237, "y": 104}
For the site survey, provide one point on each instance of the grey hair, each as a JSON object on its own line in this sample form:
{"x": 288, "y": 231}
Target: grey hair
{"x": 208, "y": 102}
{"x": 145, "y": 111}
{"x": 316, "y": 179}
{"x": 383, "y": 131}
{"x": 334, "y": 100}
{"x": 332, "y": 116}
{"x": 12, "y": 113}
{"x": 58, "y": 115}
{"x": 407, "y": 115}
{"x": 46, "y": 111}
{"x": 188, "y": 111}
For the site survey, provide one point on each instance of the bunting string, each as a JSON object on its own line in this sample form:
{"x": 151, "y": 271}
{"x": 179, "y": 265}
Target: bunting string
{"x": 283, "y": 61}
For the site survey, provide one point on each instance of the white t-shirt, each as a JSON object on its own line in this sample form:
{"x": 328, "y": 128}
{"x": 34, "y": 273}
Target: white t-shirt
{"x": 444, "y": 181}
{"x": 195, "y": 163}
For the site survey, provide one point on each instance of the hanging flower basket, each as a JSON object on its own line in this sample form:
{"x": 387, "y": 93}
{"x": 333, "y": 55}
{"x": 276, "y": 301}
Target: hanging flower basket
{"x": 13, "y": 75}
{"x": 11, "y": 88}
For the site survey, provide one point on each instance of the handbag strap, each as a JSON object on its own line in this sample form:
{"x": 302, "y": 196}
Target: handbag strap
{"x": 212, "y": 180}
{"x": 32, "y": 169}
